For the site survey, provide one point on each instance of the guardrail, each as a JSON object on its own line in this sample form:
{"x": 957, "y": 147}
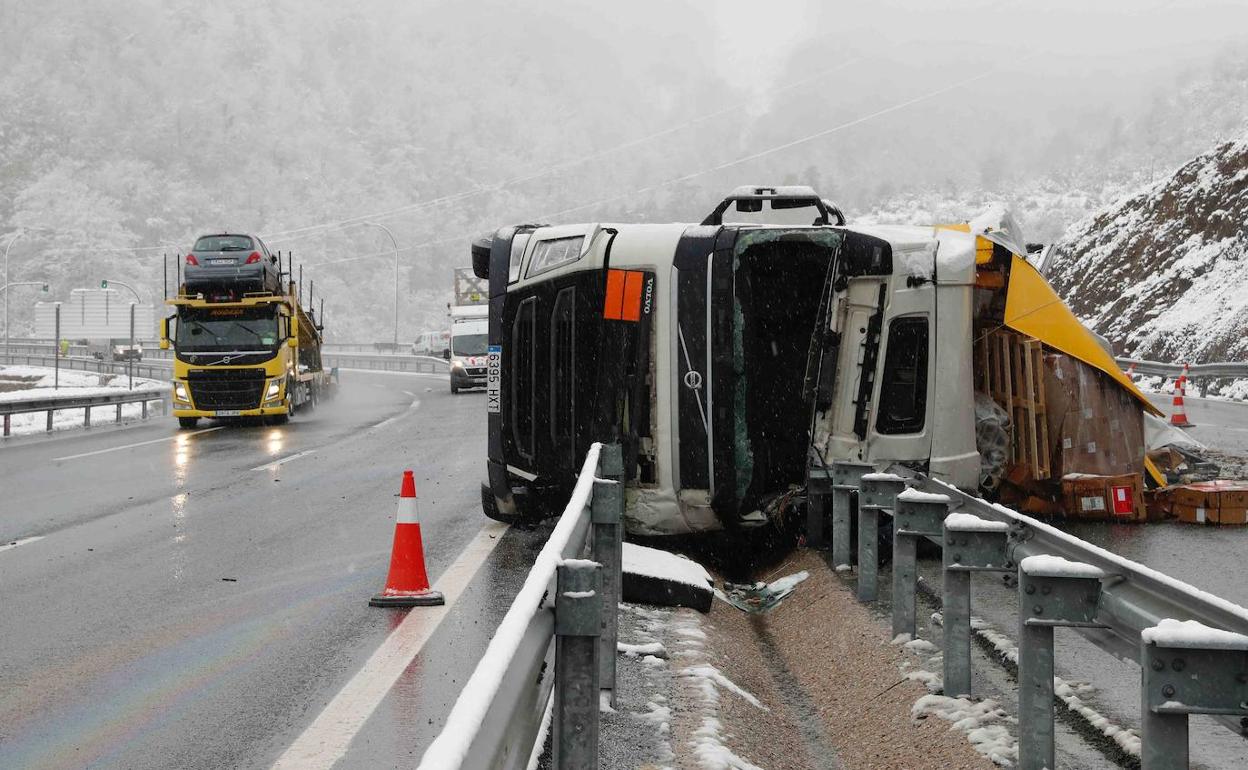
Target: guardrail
{"x": 151, "y": 371}
{"x": 386, "y": 362}
{"x": 496, "y": 721}
{"x": 1199, "y": 373}
{"x": 1124, "y": 607}
{"x": 85, "y": 403}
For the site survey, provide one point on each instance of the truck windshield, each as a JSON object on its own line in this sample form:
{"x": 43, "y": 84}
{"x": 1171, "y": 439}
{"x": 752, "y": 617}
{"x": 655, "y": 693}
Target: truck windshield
{"x": 468, "y": 344}
{"x": 219, "y": 330}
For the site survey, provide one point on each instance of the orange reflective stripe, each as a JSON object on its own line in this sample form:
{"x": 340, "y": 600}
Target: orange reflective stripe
{"x": 614, "y": 304}
{"x": 631, "y": 310}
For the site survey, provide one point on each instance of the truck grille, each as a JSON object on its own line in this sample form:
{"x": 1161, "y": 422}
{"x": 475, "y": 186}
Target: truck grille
{"x": 226, "y": 388}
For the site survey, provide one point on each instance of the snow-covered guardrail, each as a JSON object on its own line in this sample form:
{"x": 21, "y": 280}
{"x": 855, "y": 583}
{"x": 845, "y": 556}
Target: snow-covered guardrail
{"x": 1192, "y": 646}
{"x": 552, "y": 660}
{"x": 152, "y": 371}
{"x": 1201, "y": 374}
{"x": 53, "y": 404}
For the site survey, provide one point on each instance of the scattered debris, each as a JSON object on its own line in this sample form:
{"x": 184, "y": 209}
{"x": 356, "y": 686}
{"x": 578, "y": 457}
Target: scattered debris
{"x": 761, "y": 597}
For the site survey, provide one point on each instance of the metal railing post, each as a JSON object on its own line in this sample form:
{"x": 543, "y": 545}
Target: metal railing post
{"x": 1186, "y": 668}
{"x": 846, "y": 476}
{"x": 607, "y": 513}
{"x": 917, "y": 515}
{"x": 969, "y": 544}
{"x": 818, "y": 492}
{"x": 578, "y": 611}
{"x": 878, "y": 492}
{"x": 1052, "y": 592}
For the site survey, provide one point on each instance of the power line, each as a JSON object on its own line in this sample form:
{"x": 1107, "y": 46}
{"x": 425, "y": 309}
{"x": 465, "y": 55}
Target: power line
{"x": 712, "y": 169}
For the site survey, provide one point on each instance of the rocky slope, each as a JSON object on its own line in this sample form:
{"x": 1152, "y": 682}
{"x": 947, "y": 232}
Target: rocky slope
{"x": 1163, "y": 273}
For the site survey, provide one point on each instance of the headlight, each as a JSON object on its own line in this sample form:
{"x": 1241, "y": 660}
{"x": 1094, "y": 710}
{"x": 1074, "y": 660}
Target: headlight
{"x": 179, "y": 392}
{"x": 275, "y": 387}
{"x": 457, "y": 364}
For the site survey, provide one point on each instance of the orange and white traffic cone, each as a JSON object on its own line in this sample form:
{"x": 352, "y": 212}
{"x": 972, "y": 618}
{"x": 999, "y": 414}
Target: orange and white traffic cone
{"x": 1178, "y": 418}
{"x": 407, "y": 585}
{"x": 1131, "y": 371}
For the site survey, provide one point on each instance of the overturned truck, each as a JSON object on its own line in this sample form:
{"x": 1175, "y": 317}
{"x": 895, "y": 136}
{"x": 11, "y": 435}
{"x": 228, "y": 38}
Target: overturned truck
{"x": 730, "y": 356}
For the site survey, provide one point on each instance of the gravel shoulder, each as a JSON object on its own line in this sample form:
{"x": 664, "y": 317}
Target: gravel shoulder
{"x": 813, "y": 684}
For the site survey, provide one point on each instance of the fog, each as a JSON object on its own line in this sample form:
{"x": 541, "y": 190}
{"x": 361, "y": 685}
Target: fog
{"x": 127, "y": 129}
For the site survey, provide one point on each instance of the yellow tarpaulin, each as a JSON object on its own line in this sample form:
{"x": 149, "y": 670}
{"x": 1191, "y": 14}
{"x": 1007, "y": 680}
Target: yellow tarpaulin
{"x": 1033, "y": 308}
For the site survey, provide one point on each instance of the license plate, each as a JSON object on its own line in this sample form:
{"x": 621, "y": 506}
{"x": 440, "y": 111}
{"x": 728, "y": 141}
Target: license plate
{"x": 228, "y": 412}
{"x": 494, "y": 379}
{"x": 220, "y": 261}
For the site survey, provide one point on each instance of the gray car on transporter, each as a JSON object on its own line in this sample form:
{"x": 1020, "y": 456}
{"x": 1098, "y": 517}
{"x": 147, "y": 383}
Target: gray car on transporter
{"x": 231, "y": 260}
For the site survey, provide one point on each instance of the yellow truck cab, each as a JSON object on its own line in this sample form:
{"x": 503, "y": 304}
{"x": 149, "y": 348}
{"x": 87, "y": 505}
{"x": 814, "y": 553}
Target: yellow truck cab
{"x": 256, "y": 355}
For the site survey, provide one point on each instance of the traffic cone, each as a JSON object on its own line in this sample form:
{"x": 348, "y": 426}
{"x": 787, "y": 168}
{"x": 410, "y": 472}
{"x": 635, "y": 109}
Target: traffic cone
{"x": 1179, "y": 417}
{"x": 407, "y": 585}
{"x": 1131, "y": 372}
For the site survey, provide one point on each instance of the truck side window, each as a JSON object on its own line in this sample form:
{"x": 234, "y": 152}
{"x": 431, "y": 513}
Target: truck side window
{"x": 523, "y": 371}
{"x": 903, "y": 387}
{"x": 562, "y": 363}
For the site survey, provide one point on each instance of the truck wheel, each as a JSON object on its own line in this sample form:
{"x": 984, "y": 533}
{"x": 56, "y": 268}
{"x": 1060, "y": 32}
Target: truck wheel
{"x": 188, "y": 422}
{"x": 454, "y": 388}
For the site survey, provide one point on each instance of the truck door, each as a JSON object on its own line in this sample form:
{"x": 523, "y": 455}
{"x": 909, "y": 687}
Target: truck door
{"x": 899, "y": 428}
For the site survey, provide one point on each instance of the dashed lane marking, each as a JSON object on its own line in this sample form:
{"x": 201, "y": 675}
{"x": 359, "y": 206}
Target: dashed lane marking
{"x": 139, "y": 444}
{"x": 23, "y": 541}
{"x": 414, "y": 405}
{"x": 325, "y": 741}
{"x": 284, "y": 460}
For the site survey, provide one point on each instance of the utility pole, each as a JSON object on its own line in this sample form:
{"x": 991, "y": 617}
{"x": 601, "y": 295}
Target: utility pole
{"x": 394, "y": 243}
{"x": 12, "y": 240}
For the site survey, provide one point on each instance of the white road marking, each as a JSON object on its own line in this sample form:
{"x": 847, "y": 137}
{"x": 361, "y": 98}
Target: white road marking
{"x": 132, "y": 446}
{"x": 414, "y": 405}
{"x": 325, "y": 741}
{"x": 284, "y": 460}
{"x": 23, "y": 541}
{"x": 409, "y": 393}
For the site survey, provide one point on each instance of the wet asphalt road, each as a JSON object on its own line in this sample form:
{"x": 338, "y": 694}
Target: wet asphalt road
{"x": 188, "y": 607}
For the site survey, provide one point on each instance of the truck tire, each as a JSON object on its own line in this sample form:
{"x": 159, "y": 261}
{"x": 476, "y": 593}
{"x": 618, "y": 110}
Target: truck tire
{"x": 454, "y": 388}
{"x": 187, "y": 423}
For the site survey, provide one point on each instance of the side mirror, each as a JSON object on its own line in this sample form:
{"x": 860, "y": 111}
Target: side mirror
{"x": 481, "y": 256}
{"x": 164, "y": 333}
{"x": 446, "y": 353}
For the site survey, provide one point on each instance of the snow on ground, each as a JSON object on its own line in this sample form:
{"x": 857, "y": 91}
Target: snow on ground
{"x": 986, "y": 724}
{"x": 21, "y": 383}
{"x": 1072, "y": 694}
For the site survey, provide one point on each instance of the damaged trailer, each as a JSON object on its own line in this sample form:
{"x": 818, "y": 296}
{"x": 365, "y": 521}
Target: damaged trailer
{"x": 730, "y": 356}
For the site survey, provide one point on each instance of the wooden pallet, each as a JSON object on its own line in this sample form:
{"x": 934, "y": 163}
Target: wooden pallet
{"x": 1011, "y": 371}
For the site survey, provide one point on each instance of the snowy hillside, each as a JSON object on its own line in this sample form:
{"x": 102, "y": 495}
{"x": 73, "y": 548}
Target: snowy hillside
{"x": 1163, "y": 273}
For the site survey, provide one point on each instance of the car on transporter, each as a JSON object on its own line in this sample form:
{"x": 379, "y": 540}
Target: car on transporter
{"x": 231, "y": 262}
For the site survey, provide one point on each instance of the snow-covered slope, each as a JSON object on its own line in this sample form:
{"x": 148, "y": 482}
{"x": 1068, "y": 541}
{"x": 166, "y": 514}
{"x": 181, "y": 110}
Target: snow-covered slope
{"x": 1163, "y": 273}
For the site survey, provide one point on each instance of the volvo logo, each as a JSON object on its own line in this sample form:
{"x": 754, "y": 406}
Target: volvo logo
{"x": 693, "y": 380}
{"x": 225, "y": 360}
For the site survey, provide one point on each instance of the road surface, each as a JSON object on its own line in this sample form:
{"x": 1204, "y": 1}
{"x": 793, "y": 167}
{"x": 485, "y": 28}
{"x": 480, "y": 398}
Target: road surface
{"x": 195, "y": 599}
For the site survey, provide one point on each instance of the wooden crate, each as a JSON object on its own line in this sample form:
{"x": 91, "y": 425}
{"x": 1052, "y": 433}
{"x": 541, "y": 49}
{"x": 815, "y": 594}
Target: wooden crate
{"x": 1012, "y": 373}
